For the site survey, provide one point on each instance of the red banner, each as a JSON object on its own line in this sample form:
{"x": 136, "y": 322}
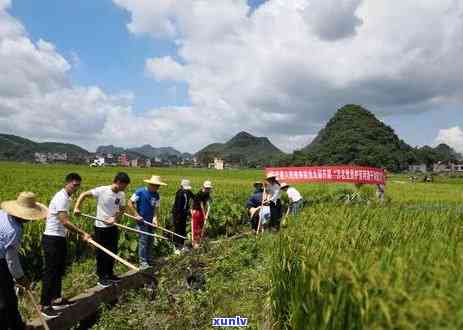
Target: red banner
{"x": 346, "y": 174}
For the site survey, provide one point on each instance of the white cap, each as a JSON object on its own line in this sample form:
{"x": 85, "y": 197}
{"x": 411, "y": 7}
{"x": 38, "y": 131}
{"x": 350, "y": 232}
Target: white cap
{"x": 207, "y": 184}
{"x": 186, "y": 184}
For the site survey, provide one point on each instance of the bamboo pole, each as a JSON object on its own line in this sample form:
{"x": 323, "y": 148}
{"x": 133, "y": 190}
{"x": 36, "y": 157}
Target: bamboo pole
{"x": 37, "y": 309}
{"x": 115, "y": 256}
{"x": 261, "y": 207}
{"x": 124, "y": 227}
{"x": 204, "y": 225}
{"x": 155, "y": 226}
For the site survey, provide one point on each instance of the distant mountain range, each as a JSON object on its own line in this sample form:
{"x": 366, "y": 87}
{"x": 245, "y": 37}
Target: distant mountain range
{"x": 245, "y": 149}
{"x": 352, "y": 136}
{"x": 17, "y": 148}
{"x": 145, "y": 151}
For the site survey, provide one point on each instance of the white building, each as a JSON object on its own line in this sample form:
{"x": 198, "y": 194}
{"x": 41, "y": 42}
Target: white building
{"x": 420, "y": 168}
{"x": 448, "y": 167}
{"x": 99, "y": 161}
{"x": 218, "y": 164}
{"x": 44, "y": 158}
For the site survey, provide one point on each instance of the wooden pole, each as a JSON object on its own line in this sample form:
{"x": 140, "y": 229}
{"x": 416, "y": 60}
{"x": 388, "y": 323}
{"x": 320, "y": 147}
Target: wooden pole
{"x": 204, "y": 225}
{"x": 124, "y": 227}
{"x": 115, "y": 256}
{"x": 155, "y": 226}
{"x": 261, "y": 207}
{"x": 37, "y": 309}
{"x": 192, "y": 231}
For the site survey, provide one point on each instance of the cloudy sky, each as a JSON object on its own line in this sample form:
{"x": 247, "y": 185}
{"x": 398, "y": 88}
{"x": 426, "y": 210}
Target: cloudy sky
{"x": 185, "y": 73}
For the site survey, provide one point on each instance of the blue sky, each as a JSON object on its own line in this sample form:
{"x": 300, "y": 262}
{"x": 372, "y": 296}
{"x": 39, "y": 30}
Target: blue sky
{"x": 221, "y": 67}
{"x": 109, "y": 56}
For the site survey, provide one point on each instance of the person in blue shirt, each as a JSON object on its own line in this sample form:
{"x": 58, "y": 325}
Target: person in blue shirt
{"x": 145, "y": 204}
{"x": 13, "y": 215}
{"x": 254, "y": 203}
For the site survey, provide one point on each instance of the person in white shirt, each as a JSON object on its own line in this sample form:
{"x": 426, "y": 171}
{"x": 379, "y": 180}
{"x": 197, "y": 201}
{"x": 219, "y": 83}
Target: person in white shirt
{"x": 54, "y": 246}
{"x": 110, "y": 208}
{"x": 296, "y": 202}
{"x": 273, "y": 190}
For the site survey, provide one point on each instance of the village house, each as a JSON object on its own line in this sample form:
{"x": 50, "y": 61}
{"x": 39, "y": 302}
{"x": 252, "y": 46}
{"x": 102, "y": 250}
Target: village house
{"x": 218, "y": 164}
{"x": 98, "y": 161}
{"x": 447, "y": 167}
{"x": 123, "y": 160}
{"x": 419, "y": 168}
{"x": 49, "y": 157}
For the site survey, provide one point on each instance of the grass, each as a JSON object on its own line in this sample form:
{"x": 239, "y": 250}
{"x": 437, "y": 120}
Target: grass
{"x": 337, "y": 266}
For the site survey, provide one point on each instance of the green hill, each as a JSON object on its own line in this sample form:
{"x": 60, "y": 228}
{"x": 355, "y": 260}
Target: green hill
{"x": 355, "y": 136}
{"x": 16, "y": 148}
{"x": 243, "y": 149}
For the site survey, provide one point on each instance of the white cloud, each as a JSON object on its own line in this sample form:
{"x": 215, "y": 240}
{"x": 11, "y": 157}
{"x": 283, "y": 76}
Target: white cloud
{"x": 333, "y": 19}
{"x": 37, "y": 99}
{"x": 284, "y": 69}
{"x": 165, "y": 68}
{"x": 278, "y": 71}
{"x": 452, "y": 136}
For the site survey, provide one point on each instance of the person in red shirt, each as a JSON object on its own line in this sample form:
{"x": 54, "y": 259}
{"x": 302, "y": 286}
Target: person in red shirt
{"x": 200, "y": 212}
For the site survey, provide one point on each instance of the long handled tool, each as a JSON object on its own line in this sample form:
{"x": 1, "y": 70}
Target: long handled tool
{"x": 259, "y": 224}
{"x": 154, "y": 226}
{"x": 124, "y": 227}
{"x": 115, "y": 256}
{"x": 204, "y": 225}
{"x": 102, "y": 248}
{"x": 37, "y": 309}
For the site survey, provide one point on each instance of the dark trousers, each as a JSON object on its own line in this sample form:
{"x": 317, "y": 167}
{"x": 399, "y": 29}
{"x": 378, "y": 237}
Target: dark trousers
{"x": 54, "y": 251}
{"x": 10, "y": 319}
{"x": 275, "y": 214}
{"x": 179, "y": 228}
{"x": 108, "y": 237}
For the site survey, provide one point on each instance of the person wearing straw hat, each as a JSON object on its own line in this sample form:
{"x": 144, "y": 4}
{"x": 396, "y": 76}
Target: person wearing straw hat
{"x": 200, "y": 212}
{"x": 180, "y": 212}
{"x": 145, "y": 204}
{"x": 296, "y": 202}
{"x": 54, "y": 246}
{"x": 274, "y": 201}
{"x": 13, "y": 215}
{"x": 110, "y": 208}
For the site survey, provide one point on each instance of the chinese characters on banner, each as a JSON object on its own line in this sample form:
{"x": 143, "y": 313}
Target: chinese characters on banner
{"x": 346, "y": 174}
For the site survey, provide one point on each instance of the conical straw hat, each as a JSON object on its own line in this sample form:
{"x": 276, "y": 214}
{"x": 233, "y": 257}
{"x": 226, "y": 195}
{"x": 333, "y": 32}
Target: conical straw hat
{"x": 156, "y": 180}
{"x": 25, "y": 207}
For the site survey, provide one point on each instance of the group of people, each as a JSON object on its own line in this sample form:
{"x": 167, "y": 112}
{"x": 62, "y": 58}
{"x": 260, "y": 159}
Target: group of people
{"x": 265, "y": 206}
{"x": 143, "y": 205}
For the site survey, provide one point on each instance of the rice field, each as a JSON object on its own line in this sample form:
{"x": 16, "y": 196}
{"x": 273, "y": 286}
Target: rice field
{"x": 338, "y": 265}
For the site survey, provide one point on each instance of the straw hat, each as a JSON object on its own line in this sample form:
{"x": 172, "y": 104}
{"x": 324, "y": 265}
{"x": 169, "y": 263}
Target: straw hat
{"x": 186, "y": 184}
{"x": 25, "y": 207}
{"x": 156, "y": 180}
{"x": 207, "y": 184}
{"x": 271, "y": 175}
